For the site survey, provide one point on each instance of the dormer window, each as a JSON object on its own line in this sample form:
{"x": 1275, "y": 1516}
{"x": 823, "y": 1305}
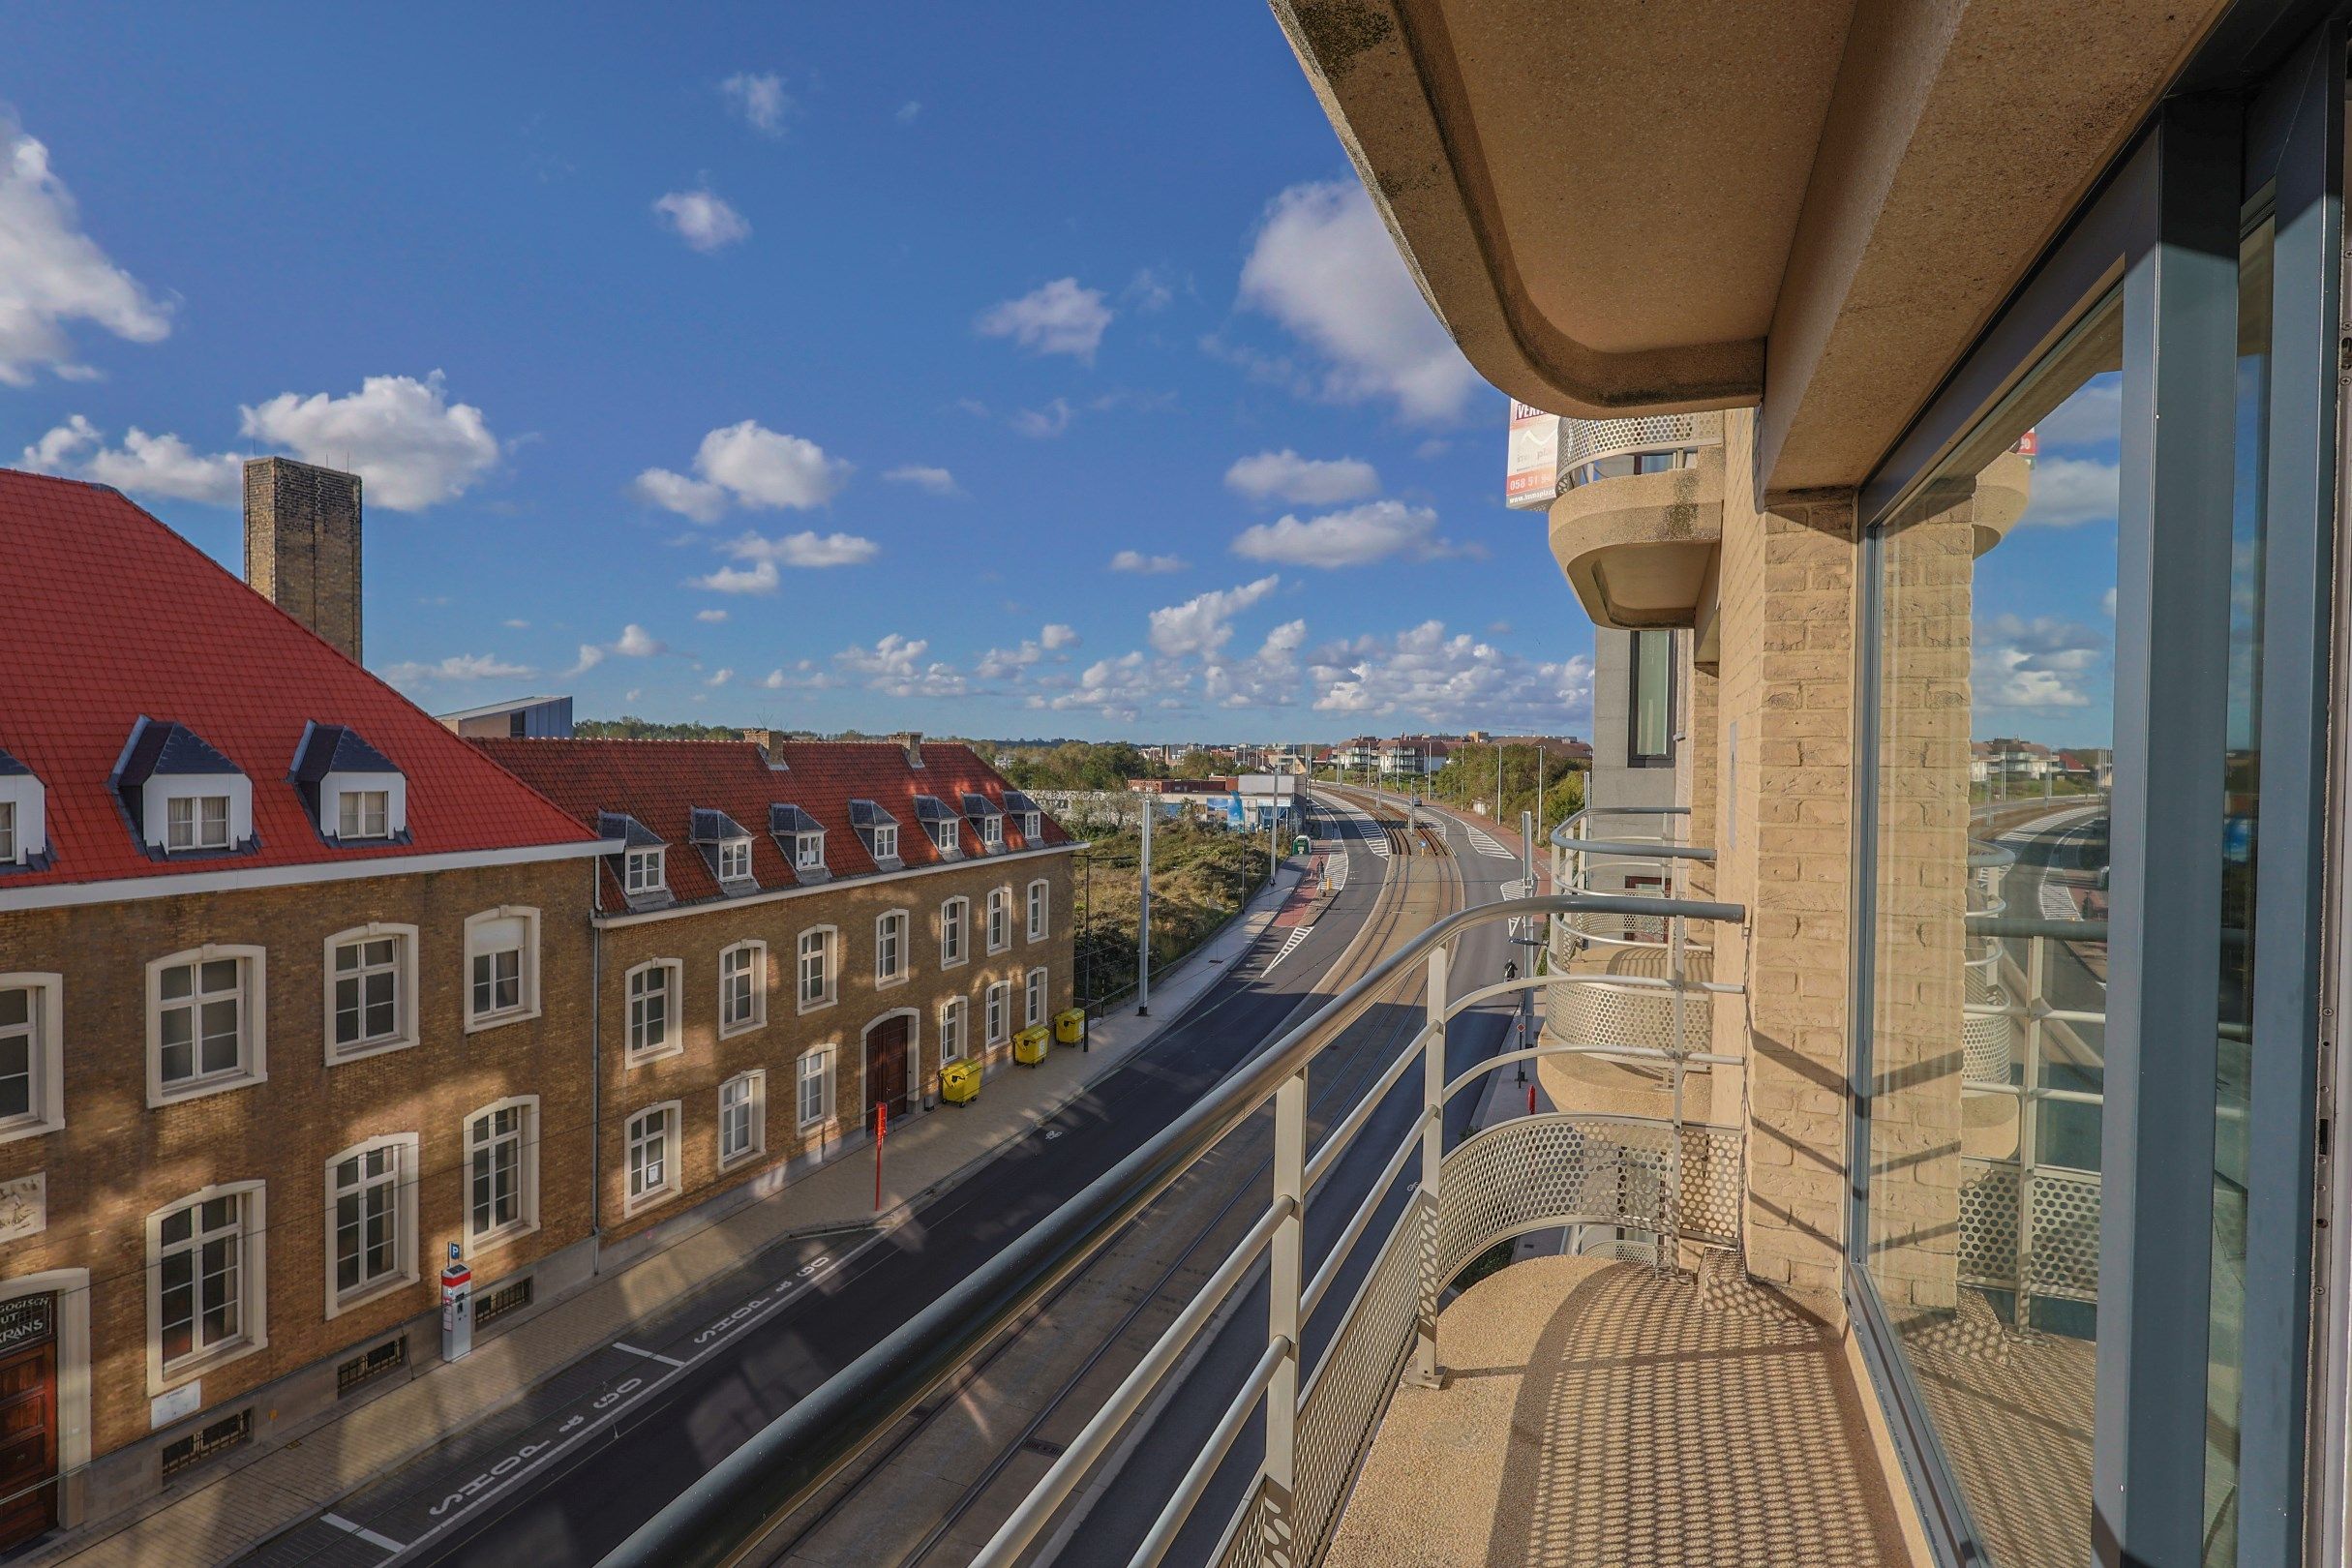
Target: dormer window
{"x": 195, "y": 822}
{"x": 940, "y": 826}
{"x": 808, "y": 852}
{"x": 355, "y": 793}
{"x": 643, "y": 865}
{"x": 879, "y": 830}
{"x": 645, "y": 872}
{"x": 988, "y": 821}
{"x": 992, "y": 830}
{"x": 725, "y": 846}
{"x": 885, "y": 841}
{"x": 802, "y": 841}
{"x": 363, "y": 814}
{"x": 183, "y": 797}
{"x": 735, "y": 860}
{"x": 945, "y": 837}
{"x": 1033, "y": 821}
{"x": 1032, "y": 825}
{"x": 23, "y": 813}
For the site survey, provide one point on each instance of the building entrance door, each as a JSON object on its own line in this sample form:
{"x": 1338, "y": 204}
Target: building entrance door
{"x": 886, "y": 1066}
{"x": 28, "y": 1417}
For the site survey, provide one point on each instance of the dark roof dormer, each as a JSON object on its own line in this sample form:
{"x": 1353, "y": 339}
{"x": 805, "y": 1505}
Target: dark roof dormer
{"x": 726, "y": 849}
{"x": 184, "y": 799}
{"x": 802, "y": 838}
{"x": 878, "y": 830}
{"x": 941, "y": 825}
{"x": 988, "y": 820}
{"x": 353, "y": 793}
{"x": 642, "y": 868}
{"x": 24, "y": 818}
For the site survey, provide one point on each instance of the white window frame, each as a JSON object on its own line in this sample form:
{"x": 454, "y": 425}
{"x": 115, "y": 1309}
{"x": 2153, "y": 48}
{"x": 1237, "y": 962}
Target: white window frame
{"x": 755, "y": 953}
{"x": 8, "y": 833}
{"x": 808, "y": 852}
{"x": 829, "y": 938}
{"x": 893, "y": 931}
{"x": 253, "y": 1279}
{"x": 352, "y": 814}
{"x": 754, "y": 1084}
{"x": 405, "y": 1176}
{"x": 1039, "y": 909}
{"x": 253, "y": 1023}
{"x": 1032, "y": 828}
{"x": 645, "y": 872}
{"x": 999, "y": 918}
{"x": 730, "y": 852}
{"x": 992, "y": 830}
{"x": 673, "y": 972}
{"x": 636, "y": 1132}
{"x": 824, "y": 1057}
{"x": 945, "y": 837}
{"x": 45, "y": 1055}
{"x": 404, "y": 983}
{"x": 526, "y": 1174}
{"x": 999, "y": 1016}
{"x": 526, "y": 972}
{"x": 1035, "y": 998}
{"x": 196, "y": 832}
{"x": 956, "y": 917}
{"x": 954, "y": 1035}
{"x": 885, "y": 841}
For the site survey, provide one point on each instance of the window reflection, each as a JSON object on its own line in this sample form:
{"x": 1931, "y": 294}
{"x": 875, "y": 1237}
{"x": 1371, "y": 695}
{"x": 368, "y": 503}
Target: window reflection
{"x": 1989, "y": 968}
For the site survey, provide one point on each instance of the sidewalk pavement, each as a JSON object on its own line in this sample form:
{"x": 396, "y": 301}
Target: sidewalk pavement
{"x": 238, "y": 1506}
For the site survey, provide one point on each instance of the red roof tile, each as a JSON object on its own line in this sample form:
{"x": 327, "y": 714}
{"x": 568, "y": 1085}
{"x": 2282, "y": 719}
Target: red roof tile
{"x": 661, "y": 783}
{"x": 107, "y": 614}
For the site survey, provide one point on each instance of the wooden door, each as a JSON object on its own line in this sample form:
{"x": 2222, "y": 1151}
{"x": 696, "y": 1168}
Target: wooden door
{"x": 886, "y": 1067}
{"x": 28, "y": 1443}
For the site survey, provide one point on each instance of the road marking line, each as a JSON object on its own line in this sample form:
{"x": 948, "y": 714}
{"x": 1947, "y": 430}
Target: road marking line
{"x": 1298, "y": 935}
{"x": 650, "y": 1355}
{"x": 364, "y": 1534}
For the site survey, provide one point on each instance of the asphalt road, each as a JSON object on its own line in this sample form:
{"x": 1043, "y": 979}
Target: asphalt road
{"x": 566, "y": 1478}
{"x": 1122, "y": 1511}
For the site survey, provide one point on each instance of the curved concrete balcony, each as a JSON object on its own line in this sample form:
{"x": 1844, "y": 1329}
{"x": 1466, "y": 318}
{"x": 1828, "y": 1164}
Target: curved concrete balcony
{"x": 1637, "y": 537}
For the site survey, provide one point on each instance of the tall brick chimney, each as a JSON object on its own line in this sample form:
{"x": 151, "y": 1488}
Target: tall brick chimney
{"x": 302, "y": 545}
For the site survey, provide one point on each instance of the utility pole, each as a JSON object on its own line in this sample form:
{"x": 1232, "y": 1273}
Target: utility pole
{"x": 1143, "y": 923}
{"x": 1086, "y": 982}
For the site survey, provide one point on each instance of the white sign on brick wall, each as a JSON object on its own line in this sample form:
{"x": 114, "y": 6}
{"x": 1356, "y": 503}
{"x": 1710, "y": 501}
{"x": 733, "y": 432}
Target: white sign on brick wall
{"x": 25, "y": 1206}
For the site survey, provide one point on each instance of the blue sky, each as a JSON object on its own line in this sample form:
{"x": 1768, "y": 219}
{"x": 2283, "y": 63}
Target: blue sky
{"x": 807, "y": 364}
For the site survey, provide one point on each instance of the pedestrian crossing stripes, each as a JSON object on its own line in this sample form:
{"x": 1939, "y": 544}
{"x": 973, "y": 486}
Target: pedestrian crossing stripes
{"x": 1485, "y": 844}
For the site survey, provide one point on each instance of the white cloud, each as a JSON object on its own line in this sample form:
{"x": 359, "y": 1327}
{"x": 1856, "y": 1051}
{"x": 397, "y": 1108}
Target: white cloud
{"x": 1324, "y": 266}
{"x": 1058, "y": 318}
{"x": 1286, "y": 476}
{"x": 1147, "y": 292}
{"x": 404, "y": 436}
{"x": 1203, "y": 623}
{"x": 1057, "y": 636}
{"x": 1116, "y": 688}
{"x": 518, "y": 623}
{"x": 720, "y": 679}
{"x": 2046, "y": 662}
{"x": 1136, "y": 560}
{"x": 1355, "y": 537}
{"x": 702, "y": 219}
{"x": 907, "y": 111}
{"x": 1267, "y": 678}
{"x": 53, "y": 273}
{"x": 2066, "y": 491}
{"x": 456, "y": 667}
{"x": 938, "y": 481}
{"x": 143, "y": 465}
{"x": 896, "y": 667}
{"x": 1042, "y": 423}
{"x": 2091, "y": 414}
{"x": 711, "y": 617}
{"x": 1006, "y": 663}
{"x": 1450, "y": 681}
{"x": 637, "y": 642}
{"x": 590, "y": 656}
{"x": 759, "y": 101}
{"x": 746, "y": 464}
{"x": 807, "y": 550}
{"x": 760, "y": 578}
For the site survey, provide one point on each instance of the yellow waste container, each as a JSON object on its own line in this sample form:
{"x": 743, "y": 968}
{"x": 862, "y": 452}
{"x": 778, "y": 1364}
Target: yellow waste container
{"x": 1070, "y": 1026}
{"x": 959, "y": 1082}
{"x": 1029, "y": 1046}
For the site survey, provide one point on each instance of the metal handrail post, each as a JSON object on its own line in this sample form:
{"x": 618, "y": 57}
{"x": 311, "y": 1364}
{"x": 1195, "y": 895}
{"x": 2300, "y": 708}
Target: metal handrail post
{"x": 2028, "y": 1122}
{"x": 1426, "y": 1369}
{"x": 1285, "y": 1279}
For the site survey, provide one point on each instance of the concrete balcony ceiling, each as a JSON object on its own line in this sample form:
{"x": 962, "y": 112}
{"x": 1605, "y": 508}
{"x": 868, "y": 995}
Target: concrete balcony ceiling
{"x": 1682, "y": 205}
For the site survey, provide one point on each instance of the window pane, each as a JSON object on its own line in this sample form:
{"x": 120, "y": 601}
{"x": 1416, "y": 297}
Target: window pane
{"x": 1652, "y": 706}
{"x": 1995, "y": 714}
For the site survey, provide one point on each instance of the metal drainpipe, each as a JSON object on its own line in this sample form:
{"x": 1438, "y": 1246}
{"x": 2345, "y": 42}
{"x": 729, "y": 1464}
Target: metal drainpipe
{"x": 597, "y": 1058}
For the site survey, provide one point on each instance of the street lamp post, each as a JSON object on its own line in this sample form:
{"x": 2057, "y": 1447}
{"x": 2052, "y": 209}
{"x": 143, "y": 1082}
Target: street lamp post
{"x": 1143, "y": 919}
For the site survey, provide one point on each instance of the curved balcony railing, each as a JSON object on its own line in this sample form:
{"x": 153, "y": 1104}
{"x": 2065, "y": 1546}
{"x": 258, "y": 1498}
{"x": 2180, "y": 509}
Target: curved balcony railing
{"x": 1604, "y": 448}
{"x": 1656, "y": 1179}
{"x": 1624, "y": 982}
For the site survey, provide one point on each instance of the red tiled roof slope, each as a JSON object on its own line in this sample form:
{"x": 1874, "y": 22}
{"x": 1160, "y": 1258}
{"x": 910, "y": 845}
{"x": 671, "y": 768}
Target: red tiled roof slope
{"x": 106, "y": 615}
{"x": 662, "y": 783}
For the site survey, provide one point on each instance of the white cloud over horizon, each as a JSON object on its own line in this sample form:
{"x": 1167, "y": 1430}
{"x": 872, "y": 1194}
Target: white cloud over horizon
{"x": 703, "y": 219}
{"x": 53, "y": 273}
{"x": 1358, "y": 536}
{"x": 1058, "y": 318}
{"x": 412, "y": 445}
{"x": 1286, "y": 476}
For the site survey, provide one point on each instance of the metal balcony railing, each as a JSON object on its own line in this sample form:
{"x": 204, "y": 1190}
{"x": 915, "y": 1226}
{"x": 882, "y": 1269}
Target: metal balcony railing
{"x": 1659, "y": 1180}
{"x": 1629, "y": 983}
{"x": 1605, "y": 448}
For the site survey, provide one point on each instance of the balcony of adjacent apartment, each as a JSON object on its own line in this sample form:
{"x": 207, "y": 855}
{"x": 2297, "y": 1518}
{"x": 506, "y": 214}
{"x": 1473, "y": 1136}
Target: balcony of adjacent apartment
{"x": 1637, "y": 517}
